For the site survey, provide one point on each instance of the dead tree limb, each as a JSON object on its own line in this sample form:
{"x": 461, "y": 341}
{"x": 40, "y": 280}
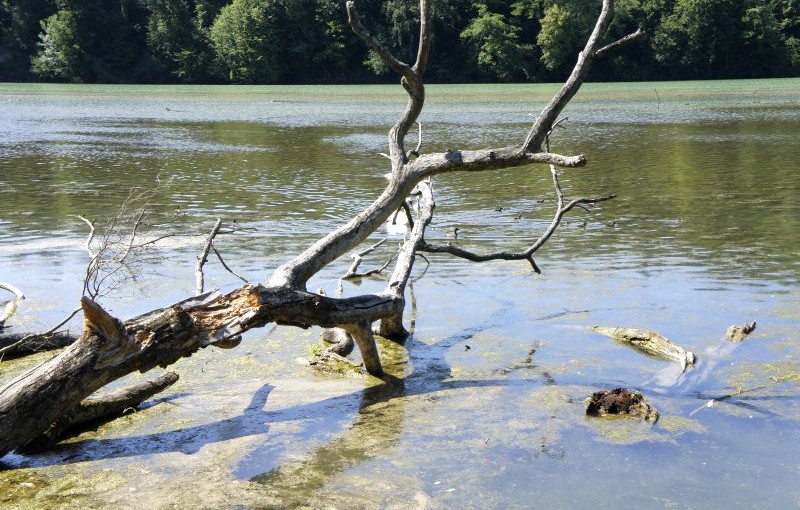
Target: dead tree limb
{"x": 227, "y": 268}
{"x": 18, "y": 345}
{"x": 620, "y": 43}
{"x": 10, "y": 307}
{"x": 90, "y": 236}
{"x": 109, "y": 348}
{"x": 357, "y": 258}
{"x": 201, "y": 260}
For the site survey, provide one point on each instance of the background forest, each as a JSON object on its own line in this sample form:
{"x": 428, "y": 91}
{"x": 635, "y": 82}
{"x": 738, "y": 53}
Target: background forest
{"x": 308, "y": 41}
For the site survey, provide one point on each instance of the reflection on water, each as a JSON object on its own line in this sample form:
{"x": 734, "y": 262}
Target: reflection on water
{"x": 486, "y": 407}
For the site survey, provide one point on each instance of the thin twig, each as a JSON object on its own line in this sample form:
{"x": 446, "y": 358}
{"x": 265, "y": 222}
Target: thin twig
{"x": 133, "y": 235}
{"x": 201, "y": 260}
{"x": 352, "y": 271}
{"x": 231, "y": 271}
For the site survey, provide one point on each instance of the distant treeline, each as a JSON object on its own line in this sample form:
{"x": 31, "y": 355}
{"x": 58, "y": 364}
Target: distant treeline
{"x": 309, "y": 41}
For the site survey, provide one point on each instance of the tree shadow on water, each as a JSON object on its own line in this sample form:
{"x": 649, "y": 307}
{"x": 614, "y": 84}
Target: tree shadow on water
{"x": 377, "y": 425}
{"x": 253, "y": 421}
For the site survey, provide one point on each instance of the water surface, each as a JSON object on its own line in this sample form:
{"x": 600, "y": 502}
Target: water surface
{"x": 703, "y": 234}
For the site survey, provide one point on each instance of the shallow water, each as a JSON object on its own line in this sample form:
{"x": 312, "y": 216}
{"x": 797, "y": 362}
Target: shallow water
{"x": 703, "y": 234}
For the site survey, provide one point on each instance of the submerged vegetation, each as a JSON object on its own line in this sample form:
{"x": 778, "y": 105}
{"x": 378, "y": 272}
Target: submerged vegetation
{"x": 308, "y": 41}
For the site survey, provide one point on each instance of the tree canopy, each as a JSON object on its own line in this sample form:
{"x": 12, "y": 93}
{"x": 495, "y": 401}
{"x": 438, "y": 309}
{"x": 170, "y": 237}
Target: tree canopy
{"x": 307, "y": 41}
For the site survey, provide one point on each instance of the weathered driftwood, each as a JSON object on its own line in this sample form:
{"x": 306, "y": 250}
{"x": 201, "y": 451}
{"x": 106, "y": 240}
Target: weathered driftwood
{"x": 109, "y": 349}
{"x": 16, "y": 345}
{"x": 739, "y": 333}
{"x": 650, "y": 343}
{"x": 620, "y": 401}
{"x": 8, "y": 308}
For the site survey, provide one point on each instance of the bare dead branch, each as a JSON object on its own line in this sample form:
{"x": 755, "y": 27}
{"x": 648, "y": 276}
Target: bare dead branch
{"x": 18, "y": 345}
{"x": 363, "y": 32}
{"x": 362, "y": 334}
{"x": 424, "y": 38}
{"x": 620, "y": 43}
{"x": 90, "y": 236}
{"x": 132, "y": 238}
{"x": 352, "y": 271}
{"x": 107, "y": 406}
{"x": 231, "y": 271}
{"x": 527, "y": 254}
{"x": 36, "y": 342}
{"x": 487, "y": 159}
{"x": 533, "y": 142}
{"x": 411, "y": 77}
{"x": 201, "y": 260}
{"x": 415, "y": 152}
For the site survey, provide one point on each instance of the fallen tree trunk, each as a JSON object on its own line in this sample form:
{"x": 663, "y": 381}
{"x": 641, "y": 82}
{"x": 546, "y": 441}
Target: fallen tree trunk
{"x": 110, "y": 349}
{"x": 102, "y": 408}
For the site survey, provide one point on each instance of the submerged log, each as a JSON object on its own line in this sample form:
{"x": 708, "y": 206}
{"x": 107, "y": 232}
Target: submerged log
{"x": 620, "y": 401}
{"x": 650, "y": 343}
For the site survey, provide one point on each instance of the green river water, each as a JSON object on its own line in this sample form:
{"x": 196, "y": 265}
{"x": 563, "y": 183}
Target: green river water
{"x": 704, "y": 233}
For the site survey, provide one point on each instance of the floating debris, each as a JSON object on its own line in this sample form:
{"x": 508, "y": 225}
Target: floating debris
{"x": 649, "y": 342}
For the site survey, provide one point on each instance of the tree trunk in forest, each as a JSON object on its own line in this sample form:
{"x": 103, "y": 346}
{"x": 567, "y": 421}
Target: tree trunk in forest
{"x": 109, "y": 349}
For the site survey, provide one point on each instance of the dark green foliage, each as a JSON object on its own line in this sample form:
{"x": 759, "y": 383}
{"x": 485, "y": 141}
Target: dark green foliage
{"x": 495, "y": 41}
{"x": 309, "y": 41}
